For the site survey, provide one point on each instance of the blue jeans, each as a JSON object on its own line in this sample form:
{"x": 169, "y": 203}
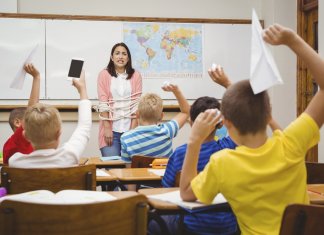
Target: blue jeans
{"x": 114, "y": 149}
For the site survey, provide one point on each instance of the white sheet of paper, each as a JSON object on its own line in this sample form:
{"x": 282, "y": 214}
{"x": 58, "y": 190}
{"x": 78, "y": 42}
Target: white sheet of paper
{"x": 174, "y": 197}
{"x": 18, "y": 81}
{"x": 100, "y": 172}
{"x": 263, "y": 71}
{"x": 159, "y": 172}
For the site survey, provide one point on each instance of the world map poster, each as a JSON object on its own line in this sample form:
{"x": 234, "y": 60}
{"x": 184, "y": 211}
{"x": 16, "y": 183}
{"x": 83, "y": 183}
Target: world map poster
{"x": 165, "y": 50}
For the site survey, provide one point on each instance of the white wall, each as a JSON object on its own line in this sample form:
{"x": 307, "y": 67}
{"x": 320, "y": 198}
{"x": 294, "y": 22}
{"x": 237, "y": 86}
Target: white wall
{"x": 283, "y": 97}
{"x": 8, "y": 6}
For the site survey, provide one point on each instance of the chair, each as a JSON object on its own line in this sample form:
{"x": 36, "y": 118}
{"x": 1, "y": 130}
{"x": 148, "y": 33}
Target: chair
{"x": 299, "y": 219}
{"x": 127, "y": 216}
{"x": 19, "y": 180}
{"x": 141, "y": 161}
{"x": 315, "y": 173}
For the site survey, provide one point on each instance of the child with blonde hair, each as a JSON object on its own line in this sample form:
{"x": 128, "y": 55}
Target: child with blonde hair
{"x": 152, "y": 137}
{"x": 42, "y": 127}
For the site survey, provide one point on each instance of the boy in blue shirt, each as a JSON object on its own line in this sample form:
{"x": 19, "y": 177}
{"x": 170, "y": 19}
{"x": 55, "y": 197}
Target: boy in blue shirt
{"x": 153, "y": 138}
{"x": 202, "y": 222}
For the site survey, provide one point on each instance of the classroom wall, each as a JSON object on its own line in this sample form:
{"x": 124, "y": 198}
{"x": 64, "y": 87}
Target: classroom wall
{"x": 284, "y": 109}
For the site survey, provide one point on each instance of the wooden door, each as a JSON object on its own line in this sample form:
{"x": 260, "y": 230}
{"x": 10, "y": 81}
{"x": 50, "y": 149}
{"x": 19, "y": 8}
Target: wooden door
{"x": 307, "y": 22}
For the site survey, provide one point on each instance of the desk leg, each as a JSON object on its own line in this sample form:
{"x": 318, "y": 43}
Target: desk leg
{"x": 152, "y": 215}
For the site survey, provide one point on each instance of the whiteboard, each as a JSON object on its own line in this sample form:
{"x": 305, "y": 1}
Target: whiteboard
{"x": 90, "y": 40}
{"x": 60, "y": 40}
{"x": 18, "y": 37}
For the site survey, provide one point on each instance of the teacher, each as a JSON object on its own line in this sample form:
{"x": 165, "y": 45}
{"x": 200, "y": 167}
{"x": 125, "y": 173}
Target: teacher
{"x": 119, "y": 89}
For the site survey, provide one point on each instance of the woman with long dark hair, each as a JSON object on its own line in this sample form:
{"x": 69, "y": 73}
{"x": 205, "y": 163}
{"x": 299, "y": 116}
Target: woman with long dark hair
{"x": 119, "y": 89}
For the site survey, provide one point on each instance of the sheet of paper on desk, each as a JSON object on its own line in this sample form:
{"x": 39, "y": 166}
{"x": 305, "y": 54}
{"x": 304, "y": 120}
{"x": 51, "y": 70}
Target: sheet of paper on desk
{"x": 174, "y": 197}
{"x": 159, "y": 172}
{"x": 100, "y": 172}
{"x": 110, "y": 158}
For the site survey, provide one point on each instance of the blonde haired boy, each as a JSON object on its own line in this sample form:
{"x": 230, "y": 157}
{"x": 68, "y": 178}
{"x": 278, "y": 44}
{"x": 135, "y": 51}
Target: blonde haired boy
{"x": 152, "y": 137}
{"x": 263, "y": 174}
{"x": 42, "y": 127}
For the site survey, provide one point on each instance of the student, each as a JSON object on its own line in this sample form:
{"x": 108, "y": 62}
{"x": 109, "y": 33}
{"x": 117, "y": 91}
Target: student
{"x": 263, "y": 174}
{"x": 42, "y": 127}
{"x": 119, "y": 88}
{"x": 202, "y": 222}
{"x": 152, "y": 138}
{"x": 17, "y": 142}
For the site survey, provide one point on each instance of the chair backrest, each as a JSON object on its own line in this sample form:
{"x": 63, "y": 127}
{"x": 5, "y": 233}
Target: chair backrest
{"x": 127, "y": 216}
{"x": 19, "y": 180}
{"x": 141, "y": 161}
{"x": 315, "y": 173}
{"x": 301, "y": 219}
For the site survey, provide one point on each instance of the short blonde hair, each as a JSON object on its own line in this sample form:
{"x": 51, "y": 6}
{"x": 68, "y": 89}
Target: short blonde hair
{"x": 150, "y": 107}
{"x": 42, "y": 124}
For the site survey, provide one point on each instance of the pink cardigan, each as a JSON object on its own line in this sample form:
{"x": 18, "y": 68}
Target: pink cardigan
{"x": 104, "y": 94}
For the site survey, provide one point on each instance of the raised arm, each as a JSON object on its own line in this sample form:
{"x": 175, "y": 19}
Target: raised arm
{"x": 80, "y": 85}
{"x": 219, "y": 76}
{"x": 202, "y": 126}
{"x": 34, "y": 93}
{"x": 279, "y": 35}
{"x": 184, "y": 106}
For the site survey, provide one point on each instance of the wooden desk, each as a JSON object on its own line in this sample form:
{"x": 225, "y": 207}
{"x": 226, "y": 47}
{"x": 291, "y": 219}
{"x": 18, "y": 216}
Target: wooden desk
{"x": 316, "y": 193}
{"x": 135, "y": 175}
{"x": 316, "y": 188}
{"x": 83, "y": 161}
{"x": 106, "y": 164}
{"x": 163, "y": 207}
{"x": 107, "y": 183}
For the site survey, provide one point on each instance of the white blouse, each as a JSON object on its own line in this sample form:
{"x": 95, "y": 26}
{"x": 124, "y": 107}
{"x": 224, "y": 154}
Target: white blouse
{"x": 121, "y": 91}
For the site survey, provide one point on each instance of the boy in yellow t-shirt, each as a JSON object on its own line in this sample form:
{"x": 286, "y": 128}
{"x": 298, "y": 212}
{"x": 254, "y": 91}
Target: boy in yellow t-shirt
{"x": 263, "y": 174}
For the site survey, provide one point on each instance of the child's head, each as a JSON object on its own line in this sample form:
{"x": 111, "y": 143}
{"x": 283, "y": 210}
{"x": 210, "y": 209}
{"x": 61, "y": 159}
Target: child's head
{"x": 248, "y": 113}
{"x": 42, "y": 124}
{"x": 15, "y": 118}
{"x": 150, "y": 108}
{"x": 201, "y": 105}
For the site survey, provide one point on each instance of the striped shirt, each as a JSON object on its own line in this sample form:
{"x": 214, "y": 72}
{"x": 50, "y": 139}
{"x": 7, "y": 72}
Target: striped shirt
{"x": 152, "y": 140}
{"x": 202, "y": 223}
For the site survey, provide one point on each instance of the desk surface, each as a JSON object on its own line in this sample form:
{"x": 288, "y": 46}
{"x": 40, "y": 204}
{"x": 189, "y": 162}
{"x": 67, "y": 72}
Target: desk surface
{"x": 129, "y": 174}
{"x": 159, "y": 204}
{"x": 107, "y": 178}
{"x": 316, "y": 193}
{"x": 315, "y": 198}
{"x": 99, "y": 163}
{"x": 316, "y": 188}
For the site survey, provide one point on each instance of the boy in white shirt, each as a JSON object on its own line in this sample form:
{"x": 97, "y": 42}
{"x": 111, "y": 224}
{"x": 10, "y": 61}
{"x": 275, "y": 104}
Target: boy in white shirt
{"x": 42, "y": 127}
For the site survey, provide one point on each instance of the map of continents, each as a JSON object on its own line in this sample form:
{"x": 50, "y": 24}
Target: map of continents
{"x": 165, "y": 49}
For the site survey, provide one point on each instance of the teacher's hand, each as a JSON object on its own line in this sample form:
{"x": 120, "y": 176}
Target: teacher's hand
{"x": 108, "y": 134}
